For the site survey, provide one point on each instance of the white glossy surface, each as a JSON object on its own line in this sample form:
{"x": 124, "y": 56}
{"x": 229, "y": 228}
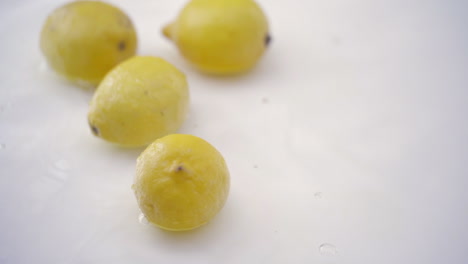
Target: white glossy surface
{"x": 347, "y": 144}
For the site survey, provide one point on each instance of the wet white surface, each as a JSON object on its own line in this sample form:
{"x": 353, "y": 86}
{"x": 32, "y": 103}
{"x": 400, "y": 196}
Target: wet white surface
{"x": 347, "y": 144}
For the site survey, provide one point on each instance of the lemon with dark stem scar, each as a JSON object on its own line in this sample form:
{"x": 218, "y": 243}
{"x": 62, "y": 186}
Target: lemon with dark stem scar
{"x": 220, "y": 36}
{"x": 140, "y": 100}
{"x": 181, "y": 182}
{"x": 83, "y": 40}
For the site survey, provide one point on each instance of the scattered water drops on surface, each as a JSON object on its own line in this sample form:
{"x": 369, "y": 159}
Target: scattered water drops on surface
{"x": 327, "y": 249}
{"x": 318, "y": 195}
{"x": 255, "y": 166}
{"x": 2, "y": 145}
{"x": 62, "y": 165}
{"x": 142, "y": 219}
{"x": 265, "y": 100}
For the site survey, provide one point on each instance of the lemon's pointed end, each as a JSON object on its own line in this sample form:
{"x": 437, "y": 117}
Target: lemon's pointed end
{"x": 168, "y": 30}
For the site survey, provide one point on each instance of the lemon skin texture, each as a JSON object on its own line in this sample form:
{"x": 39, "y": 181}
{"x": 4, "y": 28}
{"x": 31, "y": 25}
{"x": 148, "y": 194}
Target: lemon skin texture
{"x": 140, "y": 100}
{"x": 181, "y": 182}
{"x": 83, "y": 40}
{"x": 220, "y": 36}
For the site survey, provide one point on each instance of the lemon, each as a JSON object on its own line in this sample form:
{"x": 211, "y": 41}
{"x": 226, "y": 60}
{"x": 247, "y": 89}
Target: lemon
{"x": 83, "y": 40}
{"x": 140, "y": 100}
{"x": 220, "y": 36}
{"x": 181, "y": 182}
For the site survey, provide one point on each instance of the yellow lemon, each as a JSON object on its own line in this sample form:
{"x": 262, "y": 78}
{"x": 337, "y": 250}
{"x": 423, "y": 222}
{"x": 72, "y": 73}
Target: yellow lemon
{"x": 138, "y": 101}
{"x": 220, "y": 36}
{"x": 83, "y": 40}
{"x": 181, "y": 182}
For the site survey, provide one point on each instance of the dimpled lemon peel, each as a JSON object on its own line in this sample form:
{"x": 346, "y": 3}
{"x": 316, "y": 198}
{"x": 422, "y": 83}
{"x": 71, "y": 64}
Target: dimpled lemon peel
{"x": 140, "y": 100}
{"x": 181, "y": 182}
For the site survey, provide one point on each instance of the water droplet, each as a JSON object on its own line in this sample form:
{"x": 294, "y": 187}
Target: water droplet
{"x": 265, "y": 100}
{"x": 62, "y": 165}
{"x": 327, "y": 249}
{"x": 318, "y": 195}
{"x": 255, "y": 166}
{"x": 2, "y": 145}
{"x": 142, "y": 219}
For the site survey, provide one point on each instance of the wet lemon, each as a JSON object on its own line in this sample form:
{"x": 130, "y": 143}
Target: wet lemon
{"x": 140, "y": 100}
{"x": 220, "y": 36}
{"x": 83, "y": 40}
{"x": 181, "y": 182}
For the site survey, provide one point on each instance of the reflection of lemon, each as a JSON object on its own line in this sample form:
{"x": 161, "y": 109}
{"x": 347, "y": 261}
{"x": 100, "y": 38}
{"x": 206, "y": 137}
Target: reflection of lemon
{"x": 220, "y": 36}
{"x": 181, "y": 182}
{"x": 83, "y": 40}
{"x": 140, "y": 100}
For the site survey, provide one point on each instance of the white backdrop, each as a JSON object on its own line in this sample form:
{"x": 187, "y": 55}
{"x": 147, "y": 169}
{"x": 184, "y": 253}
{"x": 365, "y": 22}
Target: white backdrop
{"x": 347, "y": 144}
